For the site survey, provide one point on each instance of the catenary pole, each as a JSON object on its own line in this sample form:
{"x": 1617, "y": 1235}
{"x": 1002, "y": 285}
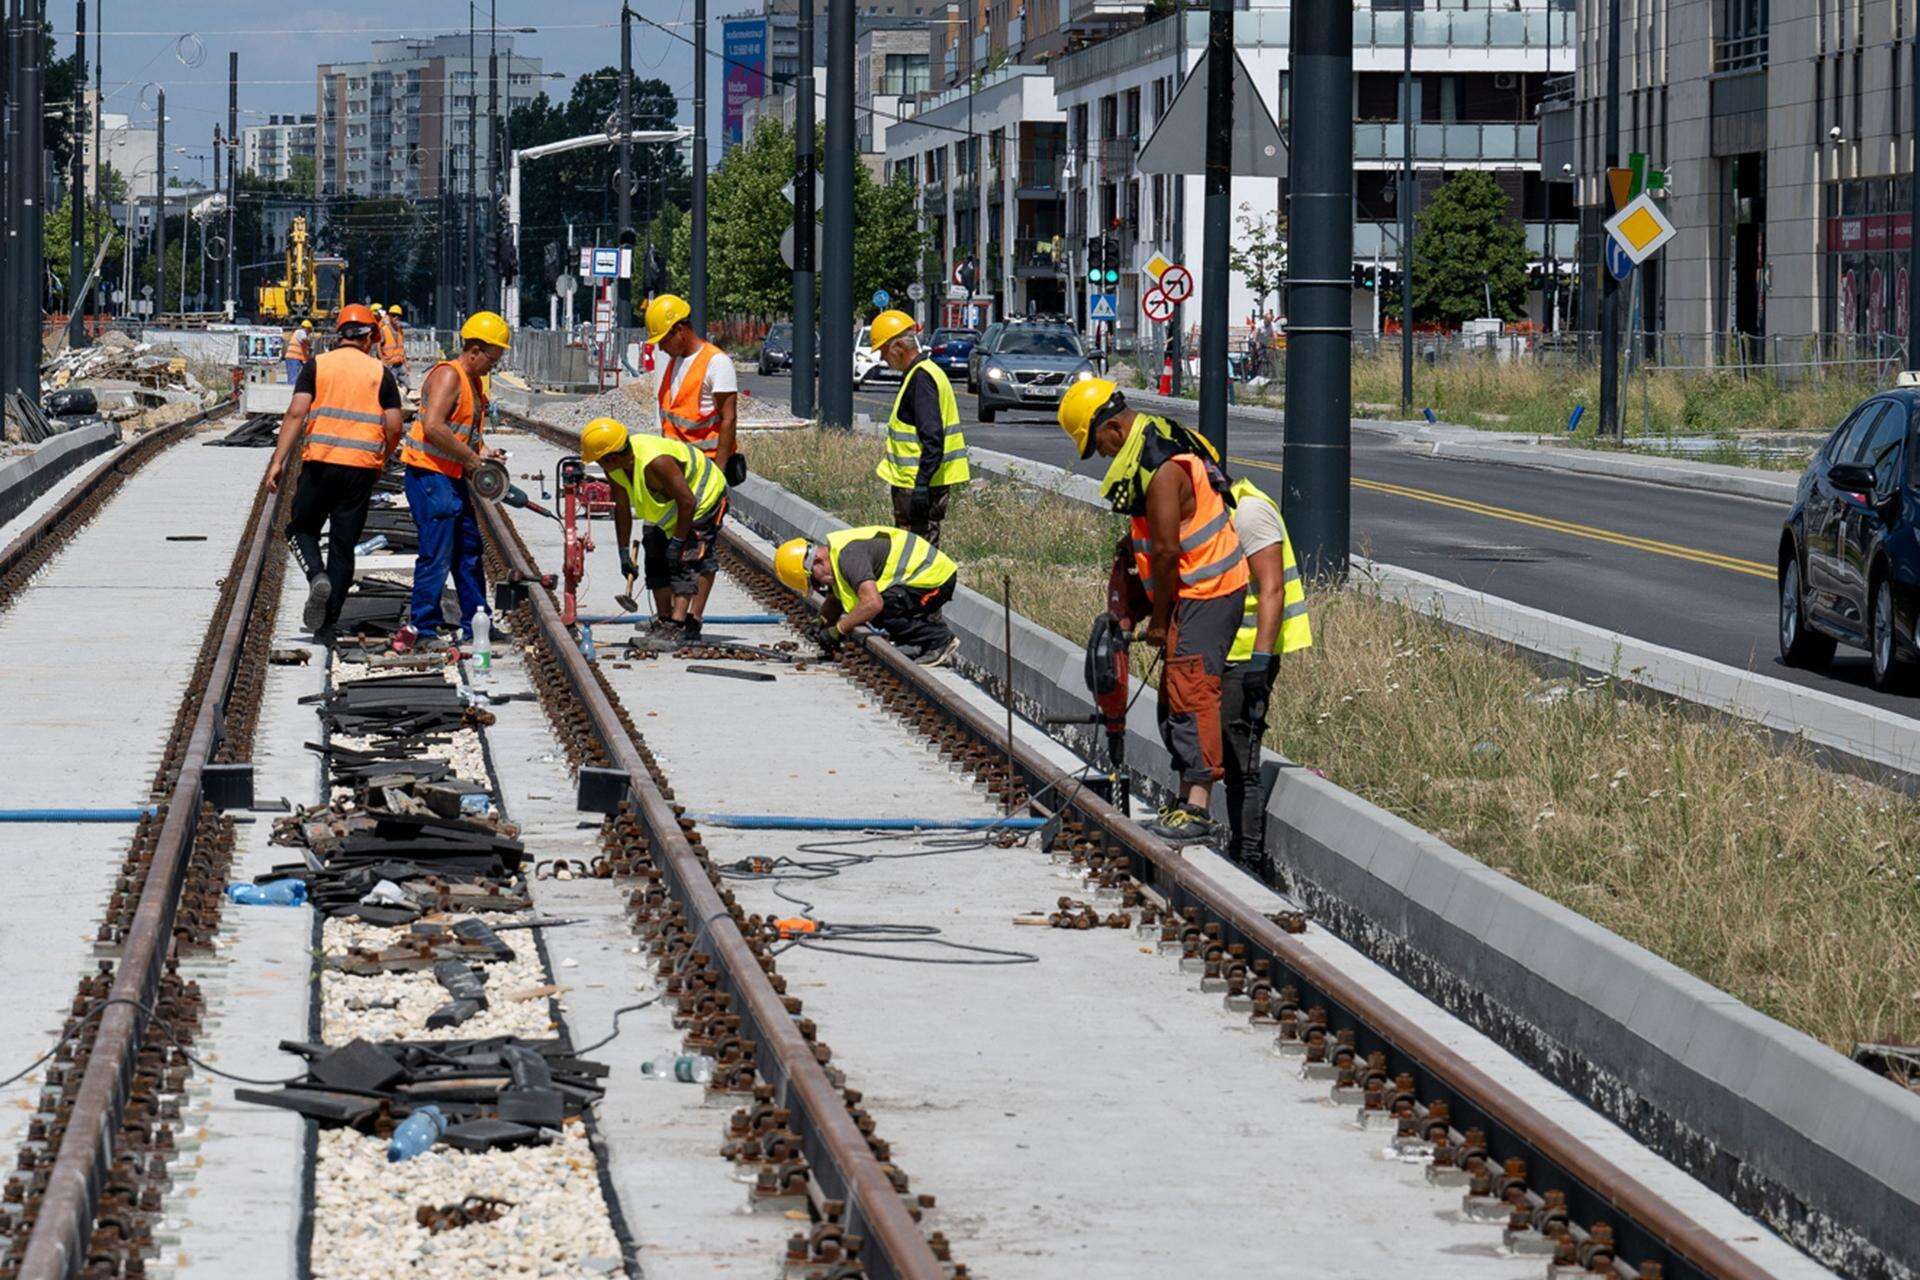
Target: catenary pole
{"x": 836, "y": 286}
{"x": 77, "y": 186}
{"x": 804, "y": 267}
{"x": 1216, "y": 211}
{"x": 623, "y": 288}
{"x": 1609, "y": 287}
{"x": 697, "y": 257}
{"x": 231, "y": 267}
{"x": 1409, "y": 108}
{"x": 1317, "y": 456}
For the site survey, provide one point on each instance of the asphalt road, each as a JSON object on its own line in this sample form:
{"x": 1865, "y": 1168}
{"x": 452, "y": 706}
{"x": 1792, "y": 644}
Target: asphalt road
{"x": 1690, "y": 571}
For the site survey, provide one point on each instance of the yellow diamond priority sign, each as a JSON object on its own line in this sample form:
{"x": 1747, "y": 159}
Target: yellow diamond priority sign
{"x": 1640, "y": 229}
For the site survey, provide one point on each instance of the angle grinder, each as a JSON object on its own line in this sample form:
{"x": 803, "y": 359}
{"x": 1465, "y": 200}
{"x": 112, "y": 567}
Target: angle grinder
{"x": 489, "y": 480}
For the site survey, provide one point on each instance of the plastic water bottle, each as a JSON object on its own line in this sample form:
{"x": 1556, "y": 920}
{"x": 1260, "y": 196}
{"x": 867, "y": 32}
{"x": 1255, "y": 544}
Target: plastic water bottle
{"x": 274, "y": 893}
{"x": 686, "y": 1068}
{"x": 378, "y": 542}
{"x": 416, "y": 1133}
{"x": 482, "y": 645}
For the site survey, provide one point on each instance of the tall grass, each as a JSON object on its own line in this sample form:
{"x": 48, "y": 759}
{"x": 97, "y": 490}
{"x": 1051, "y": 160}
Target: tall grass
{"x": 1793, "y": 888}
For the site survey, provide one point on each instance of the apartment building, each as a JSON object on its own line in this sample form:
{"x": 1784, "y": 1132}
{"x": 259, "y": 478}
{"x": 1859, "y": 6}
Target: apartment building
{"x": 1786, "y": 130}
{"x": 397, "y": 124}
{"x": 890, "y": 68}
{"x": 128, "y": 150}
{"x": 269, "y": 150}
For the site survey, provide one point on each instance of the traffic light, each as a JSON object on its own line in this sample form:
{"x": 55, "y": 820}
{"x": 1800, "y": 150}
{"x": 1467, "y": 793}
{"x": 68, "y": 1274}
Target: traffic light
{"x": 1103, "y": 262}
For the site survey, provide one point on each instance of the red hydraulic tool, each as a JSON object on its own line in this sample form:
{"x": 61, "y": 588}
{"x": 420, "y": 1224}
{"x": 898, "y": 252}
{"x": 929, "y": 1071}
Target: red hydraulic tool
{"x": 576, "y": 519}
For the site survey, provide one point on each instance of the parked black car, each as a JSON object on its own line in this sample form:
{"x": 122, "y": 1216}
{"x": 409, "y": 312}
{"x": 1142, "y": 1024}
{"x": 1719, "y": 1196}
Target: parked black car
{"x": 776, "y": 351}
{"x": 1849, "y": 559}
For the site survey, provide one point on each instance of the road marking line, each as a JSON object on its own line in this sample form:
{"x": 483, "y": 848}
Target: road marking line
{"x": 1753, "y": 568}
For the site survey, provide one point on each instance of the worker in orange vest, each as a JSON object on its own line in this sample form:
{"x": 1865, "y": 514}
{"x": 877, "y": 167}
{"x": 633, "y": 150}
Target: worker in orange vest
{"x": 393, "y": 343}
{"x": 299, "y": 349}
{"x": 346, "y": 417}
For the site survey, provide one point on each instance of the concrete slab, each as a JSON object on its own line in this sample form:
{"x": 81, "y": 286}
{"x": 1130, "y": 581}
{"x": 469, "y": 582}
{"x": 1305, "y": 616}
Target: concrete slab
{"x": 93, "y": 658}
{"x": 31, "y": 482}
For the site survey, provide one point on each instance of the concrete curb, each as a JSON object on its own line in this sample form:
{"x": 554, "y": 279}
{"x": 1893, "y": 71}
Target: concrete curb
{"x": 1465, "y": 444}
{"x": 1790, "y": 1131}
{"x": 25, "y": 478}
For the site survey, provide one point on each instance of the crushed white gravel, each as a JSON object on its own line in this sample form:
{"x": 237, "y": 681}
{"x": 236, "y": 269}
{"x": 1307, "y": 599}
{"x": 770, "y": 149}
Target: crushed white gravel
{"x": 395, "y": 1006}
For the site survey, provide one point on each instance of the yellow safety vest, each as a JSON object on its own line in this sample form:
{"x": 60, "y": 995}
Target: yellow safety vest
{"x": 900, "y": 465}
{"x": 703, "y": 477}
{"x": 912, "y": 562}
{"x": 1296, "y": 630}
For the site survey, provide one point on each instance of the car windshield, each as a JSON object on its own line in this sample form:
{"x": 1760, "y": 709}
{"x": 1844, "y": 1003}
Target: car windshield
{"x": 954, "y": 335}
{"x": 1039, "y": 342}
{"x": 780, "y": 333}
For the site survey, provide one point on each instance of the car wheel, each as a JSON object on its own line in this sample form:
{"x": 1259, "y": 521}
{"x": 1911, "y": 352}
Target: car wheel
{"x": 983, "y": 413}
{"x": 1800, "y": 645}
{"x": 1890, "y": 671}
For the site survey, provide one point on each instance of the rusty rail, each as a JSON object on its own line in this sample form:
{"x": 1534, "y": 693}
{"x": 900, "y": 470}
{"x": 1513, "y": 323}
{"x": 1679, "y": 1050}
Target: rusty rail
{"x": 841, "y": 1160}
{"x": 58, "y": 1245}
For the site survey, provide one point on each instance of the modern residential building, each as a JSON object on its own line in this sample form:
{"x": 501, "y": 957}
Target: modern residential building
{"x": 127, "y": 149}
{"x": 269, "y": 150}
{"x": 1785, "y": 129}
{"x": 393, "y": 125}
{"x": 890, "y": 75}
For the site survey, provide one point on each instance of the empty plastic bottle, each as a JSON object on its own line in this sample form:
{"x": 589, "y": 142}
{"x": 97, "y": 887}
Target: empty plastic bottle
{"x": 378, "y": 542}
{"x": 686, "y": 1068}
{"x": 274, "y": 893}
{"x": 482, "y": 645}
{"x": 416, "y": 1133}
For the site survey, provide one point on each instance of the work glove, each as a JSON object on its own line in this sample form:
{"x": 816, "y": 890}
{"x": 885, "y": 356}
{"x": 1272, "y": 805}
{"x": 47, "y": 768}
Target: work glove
{"x": 677, "y": 550}
{"x": 627, "y": 568}
{"x": 736, "y": 469}
{"x": 1256, "y": 686}
{"x": 919, "y": 508}
{"x": 830, "y": 638}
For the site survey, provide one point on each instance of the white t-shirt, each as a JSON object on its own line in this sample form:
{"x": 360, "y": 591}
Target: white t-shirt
{"x": 1257, "y": 525}
{"x": 720, "y": 379}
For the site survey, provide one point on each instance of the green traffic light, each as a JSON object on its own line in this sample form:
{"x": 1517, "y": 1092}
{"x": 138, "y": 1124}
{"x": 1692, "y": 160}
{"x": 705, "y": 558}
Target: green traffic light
{"x": 1093, "y": 277}
{"x": 1113, "y": 277}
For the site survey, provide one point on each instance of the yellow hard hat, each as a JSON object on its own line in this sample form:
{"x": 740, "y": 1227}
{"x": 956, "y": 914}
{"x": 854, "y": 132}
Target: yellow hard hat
{"x": 306, "y": 324}
{"x": 601, "y": 437}
{"x": 790, "y": 565}
{"x": 394, "y": 309}
{"x": 887, "y": 326}
{"x": 376, "y": 306}
{"x": 487, "y": 327}
{"x": 664, "y": 312}
{"x": 1087, "y": 404}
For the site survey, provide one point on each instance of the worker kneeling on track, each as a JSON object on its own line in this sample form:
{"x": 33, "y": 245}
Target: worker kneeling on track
{"x": 681, "y": 498}
{"x": 346, "y": 413}
{"x": 889, "y": 579}
{"x": 445, "y": 440}
{"x": 926, "y": 457}
{"x": 1274, "y": 622}
{"x": 1183, "y": 555}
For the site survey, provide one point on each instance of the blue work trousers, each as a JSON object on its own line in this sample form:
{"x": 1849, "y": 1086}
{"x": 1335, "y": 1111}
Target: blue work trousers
{"x": 293, "y": 370}
{"x": 449, "y": 541}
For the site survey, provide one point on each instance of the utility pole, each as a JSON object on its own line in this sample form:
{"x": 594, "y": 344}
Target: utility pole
{"x": 697, "y": 256}
{"x": 231, "y": 272}
{"x": 1217, "y": 221}
{"x": 974, "y": 158}
{"x": 803, "y": 263}
{"x": 1408, "y": 109}
{"x": 491, "y": 258}
{"x": 77, "y": 184}
{"x": 623, "y": 289}
{"x": 1550, "y": 296}
{"x": 10, "y": 247}
{"x": 203, "y": 225}
{"x": 1178, "y": 181}
{"x": 1913, "y": 250}
{"x": 836, "y": 293}
{"x": 469, "y": 299}
{"x": 1609, "y": 287}
{"x": 160, "y": 206}
{"x": 1318, "y": 454}
{"x": 99, "y": 102}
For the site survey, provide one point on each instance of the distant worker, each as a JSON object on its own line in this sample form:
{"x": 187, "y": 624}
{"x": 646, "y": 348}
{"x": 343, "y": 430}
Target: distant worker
{"x": 1272, "y": 622}
{"x": 393, "y": 344}
{"x": 1184, "y": 551}
{"x": 889, "y": 579}
{"x": 926, "y": 453}
{"x": 299, "y": 349}
{"x": 681, "y": 496}
{"x": 699, "y": 389}
{"x": 445, "y": 440}
{"x": 346, "y": 414}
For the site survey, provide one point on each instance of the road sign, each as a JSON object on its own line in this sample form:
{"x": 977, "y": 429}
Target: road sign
{"x": 1179, "y": 141}
{"x": 956, "y": 293}
{"x": 1156, "y": 304}
{"x": 1102, "y": 306}
{"x": 1154, "y": 264}
{"x": 1177, "y": 283}
{"x": 565, "y": 285}
{"x": 819, "y": 190}
{"x": 881, "y": 297}
{"x": 916, "y": 291}
{"x": 1619, "y": 265}
{"x": 786, "y": 246}
{"x": 1641, "y": 228}
{"x": 1620, "y": 186}
{"x": 586, "y": 259}
{"x": 606, "y": 263}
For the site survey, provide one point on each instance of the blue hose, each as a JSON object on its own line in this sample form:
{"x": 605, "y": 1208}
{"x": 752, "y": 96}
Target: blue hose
{"x": 73, "y": 815}
{"x": 790, "y": 822}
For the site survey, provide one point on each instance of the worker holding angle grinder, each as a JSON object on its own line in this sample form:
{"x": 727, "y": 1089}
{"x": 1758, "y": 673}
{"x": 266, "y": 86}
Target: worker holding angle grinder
{"x": 440, "y": 450}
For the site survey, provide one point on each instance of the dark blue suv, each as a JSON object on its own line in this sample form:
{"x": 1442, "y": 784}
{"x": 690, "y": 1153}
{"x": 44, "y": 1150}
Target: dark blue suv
{"x": 1849, "y": 558}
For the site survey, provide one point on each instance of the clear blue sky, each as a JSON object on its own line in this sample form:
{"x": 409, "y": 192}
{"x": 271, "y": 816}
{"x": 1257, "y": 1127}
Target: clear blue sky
{"x": 280, "y": 44}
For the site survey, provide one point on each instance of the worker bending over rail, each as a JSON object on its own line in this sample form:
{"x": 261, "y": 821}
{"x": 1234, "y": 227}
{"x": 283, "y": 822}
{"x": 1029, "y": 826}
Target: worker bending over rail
{"x": 1183, "y": 555}
{"x": 444, "y": 441}
{"x": 926, "y": 453}
{"x": 346, "y": 415}
{"x": 680, "y": 497}
{"x": 889, "y": 579}
{"x": 1274, "y": 621}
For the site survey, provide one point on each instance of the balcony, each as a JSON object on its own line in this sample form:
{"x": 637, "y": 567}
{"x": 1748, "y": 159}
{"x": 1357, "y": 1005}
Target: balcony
{"x": 1039, "y": 180}
{"x": 1036, "y": 258}
{"x": 1742, "y": 53}
{"x": 1503, "y": 145}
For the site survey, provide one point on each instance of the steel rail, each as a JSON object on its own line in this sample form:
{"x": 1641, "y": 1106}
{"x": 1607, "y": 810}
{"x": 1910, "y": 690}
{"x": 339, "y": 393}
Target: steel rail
{"x": 838, "y": 1155}
{"x": 1648, "y": 1226}
{"x": 57, "y": 1247}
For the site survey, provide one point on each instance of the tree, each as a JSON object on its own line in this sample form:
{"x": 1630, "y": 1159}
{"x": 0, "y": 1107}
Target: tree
{"x": 56, "y": 237}
{"x": 389, "y": 248}
{"x": 1259, "y": 254}
{"x": 1468, "y": 247}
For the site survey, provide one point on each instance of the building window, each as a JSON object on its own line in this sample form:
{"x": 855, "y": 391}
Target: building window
{"x": 907, "y": 74}
{"x": 1743, "y": 35}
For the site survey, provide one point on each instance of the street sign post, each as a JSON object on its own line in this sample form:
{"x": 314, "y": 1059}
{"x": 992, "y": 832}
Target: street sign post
{"x": 565, "y": 285}
{"x": 1177, "y": 283}
{"x": 881, "y": 298}
{"x": 786, "y": 245}
{"x": 606, "y": 263}
{"x": 1157, "y": 306}
{"x": 1618, "y": 263}
{"x": 1154, "y": 264}
{"x": 916, "y": 291}
{"x": 1103, "y": 306}
{"x": 1640, "y": 229}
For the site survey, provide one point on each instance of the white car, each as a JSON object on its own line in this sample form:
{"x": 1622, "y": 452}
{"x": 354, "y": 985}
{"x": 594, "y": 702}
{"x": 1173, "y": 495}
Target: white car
{"x": 868, "y": 367}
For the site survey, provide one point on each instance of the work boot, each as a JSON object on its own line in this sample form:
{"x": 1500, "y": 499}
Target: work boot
{"x": 319, "y": 592}
{"x": 1181, "y": 824}
{"x": 662, "y": 639}
{"x": 690, "y": 631}
{"x": 938, "y": 655}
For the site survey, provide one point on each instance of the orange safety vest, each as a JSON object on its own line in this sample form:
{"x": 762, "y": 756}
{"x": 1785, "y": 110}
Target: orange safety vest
{"x": 680, "y": 414}
{"x": 344, "y": 426}
{"x": 299, "y": 346}
{"x": 393, "y": 343}
{"x": 469, "y": 412}
{"x": 1211, "y": 563}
